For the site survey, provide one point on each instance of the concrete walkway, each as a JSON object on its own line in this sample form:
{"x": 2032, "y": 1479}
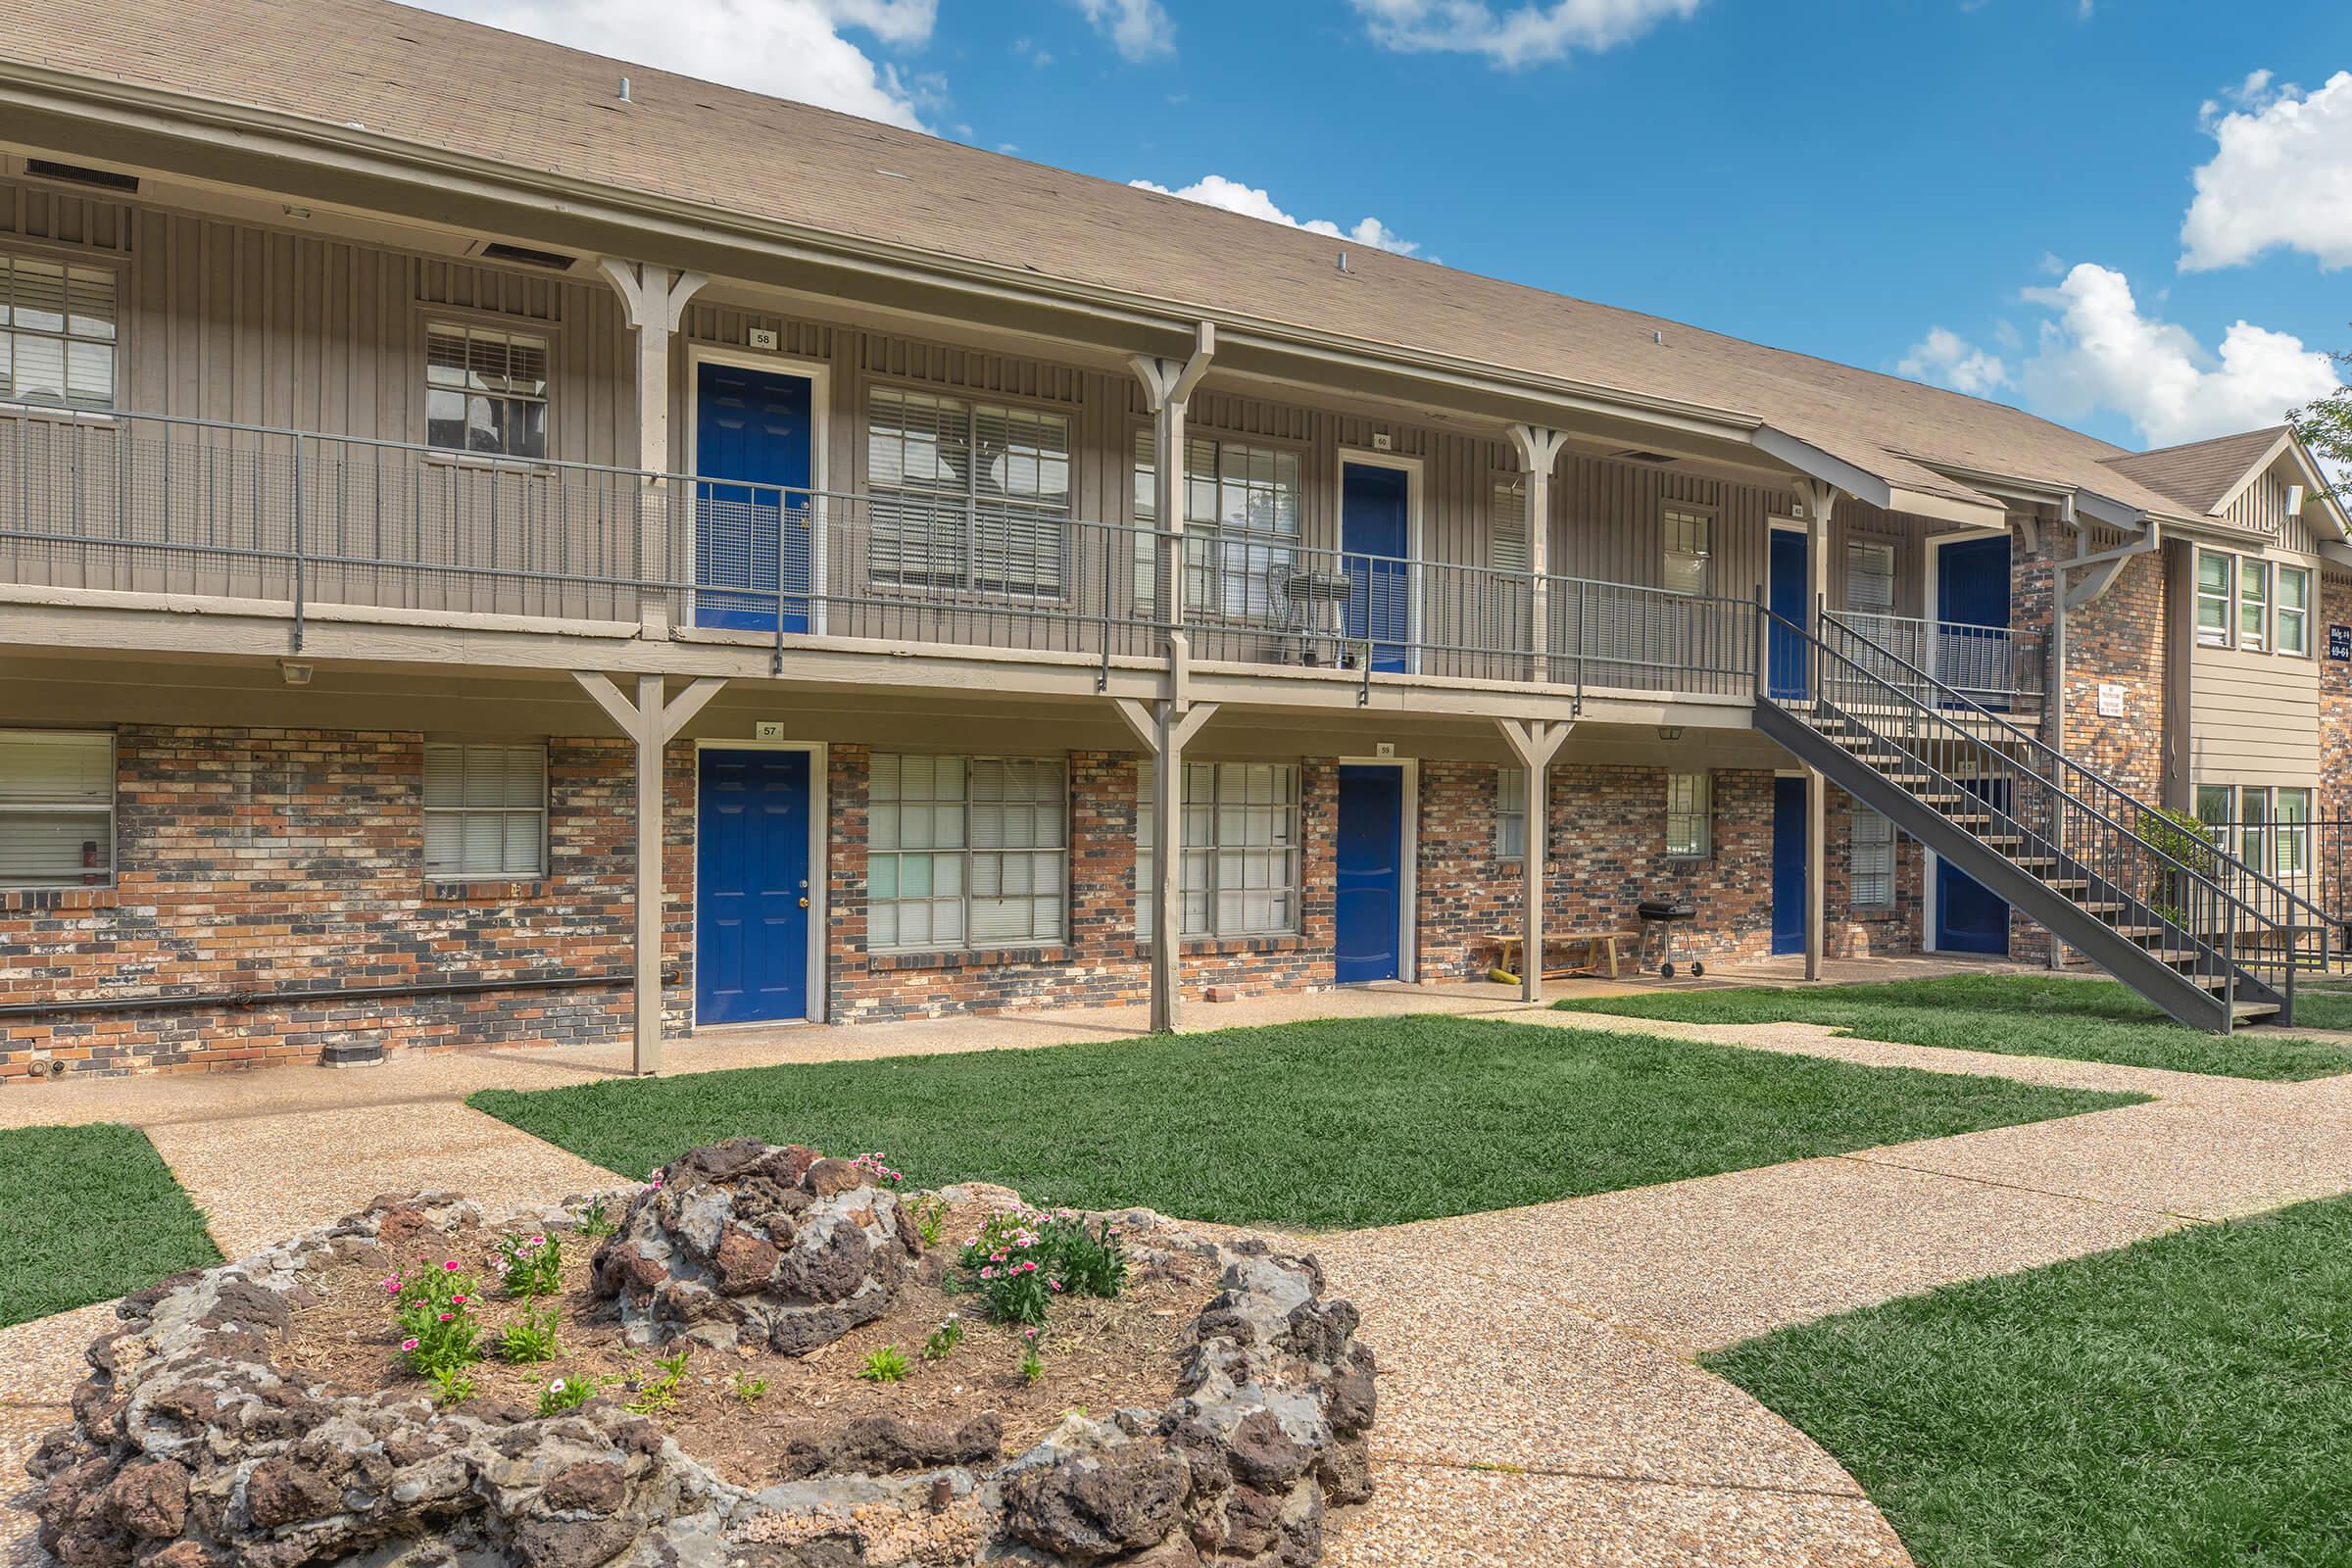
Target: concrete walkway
{"x": 1539, "y": 1400}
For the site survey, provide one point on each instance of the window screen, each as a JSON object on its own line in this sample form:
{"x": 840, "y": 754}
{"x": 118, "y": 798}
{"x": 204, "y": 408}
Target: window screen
{"x": 1238, "y": 849}
{"x": 57, "y": 332}
{"x": 485, "y": 811}
{"x": 56, "y": 808}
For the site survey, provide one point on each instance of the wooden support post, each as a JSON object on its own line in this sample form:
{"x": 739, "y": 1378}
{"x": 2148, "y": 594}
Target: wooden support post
{"x": 1536, "y": 741}
{"x": 652, "y": 723}
{"x": 1168, "y": 390}
{"x": 1164, "y": 729}
{"x": 1539, "y": 454}
{"x": 1819, "y": 501}
{"x": 654, "y": 299}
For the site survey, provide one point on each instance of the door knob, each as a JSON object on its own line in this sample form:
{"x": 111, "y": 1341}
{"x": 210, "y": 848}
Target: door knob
{"x": 803, "y": 900}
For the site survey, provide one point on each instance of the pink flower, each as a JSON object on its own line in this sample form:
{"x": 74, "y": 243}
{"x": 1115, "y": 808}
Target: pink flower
{"x": 538, "y": 1240}
{"x": 1052, "y": 1285}
{"x": 391, "y": 1287}
{"x": 458, "y": 1299}
{"x": 407, "y": 1344}
{"x": 446, "y": 1316}
{"x": 1028, "y": 1334}
{"x": 451, "y": 1266}
{"x": 988, "y": 1273}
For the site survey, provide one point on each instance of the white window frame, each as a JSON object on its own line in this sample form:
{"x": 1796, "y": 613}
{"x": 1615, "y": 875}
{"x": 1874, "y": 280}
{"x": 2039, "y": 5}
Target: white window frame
{"x": 2254, "y": 599}
{"x": 1508, "y": 532}
{"x": 2226, "y": 599}
{"x": 1241, "y": 562}
{"x": 468, "y": 328}
{"x": 1702, "y": 557}
{"x": 2298, "y": 616}
{"x": 967, "y": 512}
{"x": 1861, "y": 551}
{"x": 1690, "y": 798}
{"x": 1870, "y": 835}
{"x": 35, "y": 805}
{"x": 1510, "y": 813}
{"x": 101, "y": 341}
{"x": 975, "y": 864}
{"x": 1209, "y": 857}
{"x": 486, "y": 752}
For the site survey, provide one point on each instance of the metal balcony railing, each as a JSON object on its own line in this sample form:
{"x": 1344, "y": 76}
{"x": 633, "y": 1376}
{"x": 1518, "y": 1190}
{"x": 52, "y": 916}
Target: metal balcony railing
{"x": 136, "y": 503}
{"x": 1996, "y": 667}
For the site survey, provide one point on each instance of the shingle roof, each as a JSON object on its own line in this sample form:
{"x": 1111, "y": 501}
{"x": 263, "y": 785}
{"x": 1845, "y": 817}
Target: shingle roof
{"x": 430, "y": 80}
{"x": 2200, "y": 474}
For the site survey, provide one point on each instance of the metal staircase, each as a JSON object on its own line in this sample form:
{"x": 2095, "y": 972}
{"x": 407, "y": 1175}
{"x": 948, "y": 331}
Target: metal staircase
{"x": 2150, "y": 900}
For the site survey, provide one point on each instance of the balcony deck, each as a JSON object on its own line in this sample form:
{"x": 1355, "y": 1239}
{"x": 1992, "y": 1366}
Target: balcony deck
{"x": 127, "y": 510}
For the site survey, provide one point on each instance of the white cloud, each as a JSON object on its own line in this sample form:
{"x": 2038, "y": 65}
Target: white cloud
{"x": 1527, "y": 35}
{"x": 1947, "y": 359}
{"x": 1215, "y": 190}
{"x": 787, "y": 48}
{"x": 2281, "y": 177}
{"x": 2101, "y": 353}
{"x": 1137, "y": 29}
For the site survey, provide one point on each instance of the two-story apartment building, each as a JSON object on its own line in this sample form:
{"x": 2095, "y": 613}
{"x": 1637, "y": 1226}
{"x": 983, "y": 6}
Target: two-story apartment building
{"x": 499, "y": 544}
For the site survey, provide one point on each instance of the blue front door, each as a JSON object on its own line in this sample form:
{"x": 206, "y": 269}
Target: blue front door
{"x": 752, "y": 538}
{"x": 1971, "y": 589}
{"x": 1787, "y": 865}
{"x": 1371, "y": 874}
{"x": 1373, "y": 532}
{"x": 1967, "y": 919}
{"x": 751, "y": 904}
{"x": 1792, "y": 599}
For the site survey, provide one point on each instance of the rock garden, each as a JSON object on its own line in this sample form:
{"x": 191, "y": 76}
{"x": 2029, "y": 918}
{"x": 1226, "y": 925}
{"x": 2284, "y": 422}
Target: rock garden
{"x": 762, "y": 1358}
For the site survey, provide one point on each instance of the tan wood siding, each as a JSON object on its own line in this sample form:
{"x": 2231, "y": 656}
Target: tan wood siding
{"x": 2254, "y": 719}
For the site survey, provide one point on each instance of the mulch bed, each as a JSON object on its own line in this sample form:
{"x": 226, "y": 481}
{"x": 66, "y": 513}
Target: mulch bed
{"x": 1099, "y": 1354}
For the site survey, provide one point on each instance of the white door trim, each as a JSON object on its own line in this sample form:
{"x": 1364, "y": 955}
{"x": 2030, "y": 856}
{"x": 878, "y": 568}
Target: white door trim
{"x": 1408, "y": 889}
{"x": 819, "y": 377}
{"x": 820, "y": 837}
{"x": 1411, "y": 468}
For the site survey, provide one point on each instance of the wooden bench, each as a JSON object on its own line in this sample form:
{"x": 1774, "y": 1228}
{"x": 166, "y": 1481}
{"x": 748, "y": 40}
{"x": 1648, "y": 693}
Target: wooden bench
{"x": 1600, "y": 948}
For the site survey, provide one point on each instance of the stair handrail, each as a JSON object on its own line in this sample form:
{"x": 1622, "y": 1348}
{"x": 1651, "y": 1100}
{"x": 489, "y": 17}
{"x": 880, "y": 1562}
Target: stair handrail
{"x": 2042, "y": 747}
{"x": 2224, "y": 897}
{"x": 2031, "y": 773}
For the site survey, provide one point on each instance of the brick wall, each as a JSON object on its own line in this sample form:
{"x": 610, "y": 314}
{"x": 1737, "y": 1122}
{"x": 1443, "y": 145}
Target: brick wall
{"x": 253, "y": 859}
{"x": 1102, "y": 963}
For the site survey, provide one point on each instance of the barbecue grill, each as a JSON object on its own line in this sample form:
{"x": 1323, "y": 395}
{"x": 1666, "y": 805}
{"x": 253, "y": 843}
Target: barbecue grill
{"x": 1662, "y": 920}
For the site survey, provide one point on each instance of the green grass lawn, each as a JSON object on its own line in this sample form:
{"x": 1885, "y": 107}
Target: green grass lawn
{"x": 2017, "y": 1015}
{"x": 2185, "y": 1402}
{"x": 92, "y": 1213}
{"x": 2324, "y": 1008}
{"x": 1336, "y": 1123}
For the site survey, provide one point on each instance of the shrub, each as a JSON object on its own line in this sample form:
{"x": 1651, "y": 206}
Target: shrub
{"x": 877, "y": 1171}
{"x": 889, "y": 1364}
{"x": 434, "y": 1309}
{"x": 596, "y": 1219}
{"x": 1033, "y": 1366}
{"x": 945, "y": 1337}
{"x": 531, "y": 1265}
{"x": 1023, "y": 1259}
{"x": 566, "y": 1394}
{"x": 530, "y": 1338}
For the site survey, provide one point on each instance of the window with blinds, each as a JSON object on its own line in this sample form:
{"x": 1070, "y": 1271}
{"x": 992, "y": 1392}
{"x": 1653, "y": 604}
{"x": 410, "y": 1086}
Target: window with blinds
{"x": 1870, "y": 577}
{"x": 966, "y": 851}
{"x": 1237, "y": 849}
{"x": 1241, "y": 510}
{"x": 1510, "y": 813}
{"x": 1506, "y": 513}
{"x": 1689, "y": 550}
{"x": 485, "y": 811}
{"x": 1690, "y": 816}
{"x": 485, "y": 390}
{"x": 56, "y": 808}
{"x": 57, "y": 332}
{"x": 968, "y": 496}
{"x": 1871, "y": 853}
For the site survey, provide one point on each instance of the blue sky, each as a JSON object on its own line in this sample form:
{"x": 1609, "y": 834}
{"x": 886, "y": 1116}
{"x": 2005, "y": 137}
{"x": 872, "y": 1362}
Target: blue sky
{"x": 1841, "y": 176}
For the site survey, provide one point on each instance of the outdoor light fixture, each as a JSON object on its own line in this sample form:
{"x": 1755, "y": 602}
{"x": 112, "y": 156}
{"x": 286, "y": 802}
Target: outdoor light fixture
{"x": 1670, "y": 732}
{"x": 295, "y": 675}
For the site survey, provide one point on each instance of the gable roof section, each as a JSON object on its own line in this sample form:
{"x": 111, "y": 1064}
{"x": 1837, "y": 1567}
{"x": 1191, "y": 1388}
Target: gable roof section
{"x": 2203, "y": 476}
{"x": 366, "y": 68}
